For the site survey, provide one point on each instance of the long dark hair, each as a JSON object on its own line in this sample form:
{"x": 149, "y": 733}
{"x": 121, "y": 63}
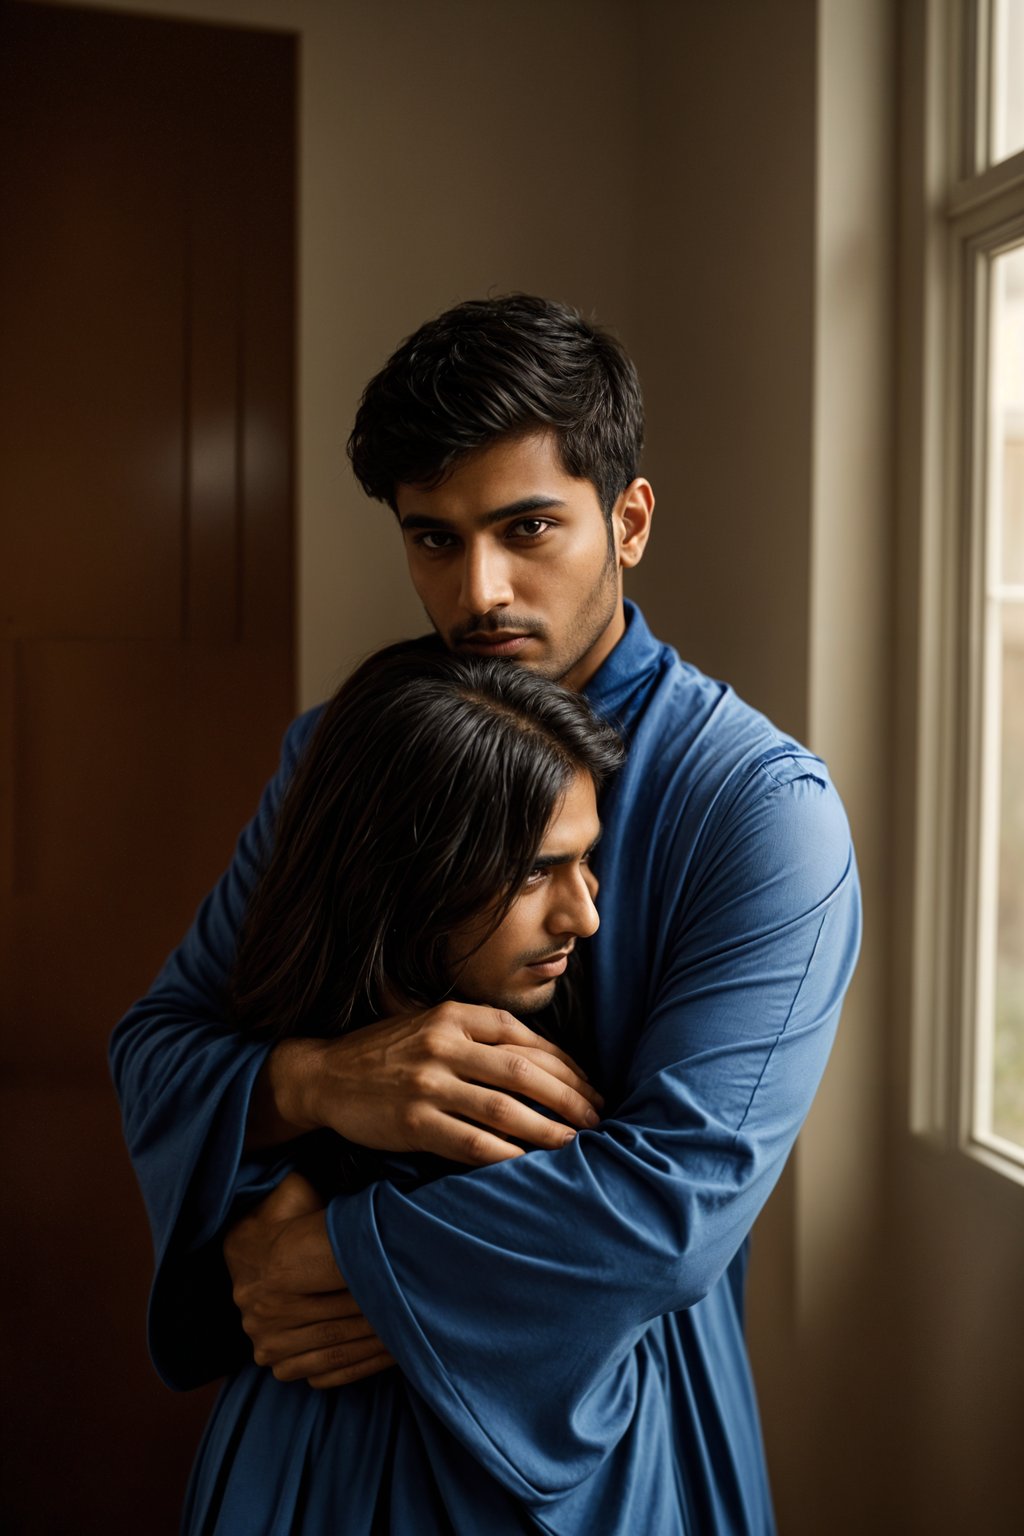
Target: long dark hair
{"x": 421, "y": 802}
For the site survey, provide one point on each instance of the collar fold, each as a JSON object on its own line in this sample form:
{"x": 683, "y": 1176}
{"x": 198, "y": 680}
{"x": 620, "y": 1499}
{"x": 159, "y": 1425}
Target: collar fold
{"x": 630, "y": 664}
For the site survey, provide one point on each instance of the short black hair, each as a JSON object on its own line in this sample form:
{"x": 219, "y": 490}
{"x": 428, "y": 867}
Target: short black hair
{"x": 494, "y": 368}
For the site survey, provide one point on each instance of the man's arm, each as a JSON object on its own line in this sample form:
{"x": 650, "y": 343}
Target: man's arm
{"x": 513, "y": 1299}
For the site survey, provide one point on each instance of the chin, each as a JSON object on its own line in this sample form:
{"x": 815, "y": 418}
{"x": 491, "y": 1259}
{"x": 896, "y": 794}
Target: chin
{"x": 529, "y": 1001}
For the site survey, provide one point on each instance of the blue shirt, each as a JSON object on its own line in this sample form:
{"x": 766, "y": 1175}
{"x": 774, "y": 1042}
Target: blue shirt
{"x": 568, "y": 1325}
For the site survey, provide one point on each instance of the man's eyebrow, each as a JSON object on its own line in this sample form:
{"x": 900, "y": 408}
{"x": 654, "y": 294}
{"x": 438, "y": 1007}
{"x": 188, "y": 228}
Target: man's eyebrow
{"x": 521, "y": 508}
{"x": 554, "y": 860}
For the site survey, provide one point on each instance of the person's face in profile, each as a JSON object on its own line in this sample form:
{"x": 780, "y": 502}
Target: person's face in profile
{"x": 518, "y": 966}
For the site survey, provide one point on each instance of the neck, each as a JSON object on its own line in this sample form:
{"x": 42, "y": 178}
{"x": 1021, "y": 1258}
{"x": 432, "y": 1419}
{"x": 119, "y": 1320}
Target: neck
{"x": 579, "y": 676}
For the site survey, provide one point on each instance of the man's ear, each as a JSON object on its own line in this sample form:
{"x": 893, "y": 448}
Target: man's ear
{"x": 631, "y": 520}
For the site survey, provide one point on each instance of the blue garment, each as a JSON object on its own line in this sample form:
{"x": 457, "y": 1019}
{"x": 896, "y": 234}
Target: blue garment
{"x": 568, "y": 1325}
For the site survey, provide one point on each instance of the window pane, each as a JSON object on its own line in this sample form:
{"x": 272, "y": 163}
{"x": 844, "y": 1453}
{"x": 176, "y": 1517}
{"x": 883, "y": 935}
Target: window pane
{"x": 1008, "y": 411}
{"x": 1007, "y": 97}
{"x": 1004, "y": 777}
{"x": 1008, "y": 1053}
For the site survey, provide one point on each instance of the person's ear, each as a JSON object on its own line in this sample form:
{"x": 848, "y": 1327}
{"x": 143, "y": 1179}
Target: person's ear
{"x": 631, "y": 520}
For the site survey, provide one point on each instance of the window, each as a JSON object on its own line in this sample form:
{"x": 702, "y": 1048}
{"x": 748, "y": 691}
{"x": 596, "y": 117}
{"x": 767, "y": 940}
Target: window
{"x": 969, "y": 992}
{"x": 1006, "y": 92}
{"x": 998, "y": 1109}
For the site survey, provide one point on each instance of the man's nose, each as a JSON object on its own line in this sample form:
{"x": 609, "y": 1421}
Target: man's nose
{"x": 575, "y": 912}
{"x": 486, "y": 580}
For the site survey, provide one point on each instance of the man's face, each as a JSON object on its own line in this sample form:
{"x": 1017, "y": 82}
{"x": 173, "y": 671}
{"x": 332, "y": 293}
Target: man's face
{"x": 513, "y": 557}
{"x": 519, "y": 965}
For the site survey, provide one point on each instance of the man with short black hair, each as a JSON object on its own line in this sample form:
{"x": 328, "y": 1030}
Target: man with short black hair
{"x": 572, "y": 1320}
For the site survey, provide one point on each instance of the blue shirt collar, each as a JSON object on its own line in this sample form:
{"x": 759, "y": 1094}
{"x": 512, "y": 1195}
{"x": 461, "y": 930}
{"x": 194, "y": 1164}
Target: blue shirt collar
{"x": 634, "y": 658}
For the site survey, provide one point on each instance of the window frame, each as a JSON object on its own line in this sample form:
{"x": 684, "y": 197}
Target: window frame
{"x": 973, "y": 210}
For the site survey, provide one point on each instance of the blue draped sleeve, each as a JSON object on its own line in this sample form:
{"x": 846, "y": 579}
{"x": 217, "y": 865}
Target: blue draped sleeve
{"x": 517, "y": 1299}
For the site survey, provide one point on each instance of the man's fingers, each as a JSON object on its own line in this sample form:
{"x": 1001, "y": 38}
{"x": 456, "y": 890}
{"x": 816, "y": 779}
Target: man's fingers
{"x": 352, "y": 1373}
{"x": 320, "y": 1362}
{"x": 448, "y": 1137}
{"x": 499, "y": 1112}
{"x": 265, "y": 1316}
{"x": 271, "y": 1348}
{"x": 566, "y": 1074}
{"x": 516, "y": 1073}
{"x": 494, "y": 1026}
{"x": 304, "y": 1262}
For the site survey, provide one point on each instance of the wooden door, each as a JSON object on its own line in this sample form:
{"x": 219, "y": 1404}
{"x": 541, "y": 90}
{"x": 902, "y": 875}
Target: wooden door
{"x": 146, "y": 446}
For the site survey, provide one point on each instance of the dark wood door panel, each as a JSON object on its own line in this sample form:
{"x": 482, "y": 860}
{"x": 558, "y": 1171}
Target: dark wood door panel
{"x": 146, "y": 374}
{"x": 92, "y": 1441}
{"x": 268, "y": 364}
{"x": 135, "y": 767}
{"x": 147, "y": 201}
{"x": 91, "y": 295}
{"x": 217, "y": 253}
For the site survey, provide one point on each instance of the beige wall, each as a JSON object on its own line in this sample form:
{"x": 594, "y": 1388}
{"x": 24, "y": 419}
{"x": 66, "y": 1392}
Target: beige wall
{"x": 725, "y": 336}
{"x": 717, "y": 180}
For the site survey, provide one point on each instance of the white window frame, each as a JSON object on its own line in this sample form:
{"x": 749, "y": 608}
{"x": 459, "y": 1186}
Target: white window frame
{"x": 971, "y": 215}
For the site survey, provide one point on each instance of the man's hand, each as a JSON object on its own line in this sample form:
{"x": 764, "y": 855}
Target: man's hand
{"x": 412, "y": 1084}
{"x": 303, "y": 1321}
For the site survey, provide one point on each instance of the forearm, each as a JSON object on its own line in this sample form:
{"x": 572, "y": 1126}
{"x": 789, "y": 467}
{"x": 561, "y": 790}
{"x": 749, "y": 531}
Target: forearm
{"x": 515, "y": 1300}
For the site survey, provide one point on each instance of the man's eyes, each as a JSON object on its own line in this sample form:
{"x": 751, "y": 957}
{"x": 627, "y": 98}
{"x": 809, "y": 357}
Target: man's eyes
{"x": 525, "y": 530}
{"x": 542, "y": 871}
{"x": 529, "y": 527}
{"x": 435, "y": 541}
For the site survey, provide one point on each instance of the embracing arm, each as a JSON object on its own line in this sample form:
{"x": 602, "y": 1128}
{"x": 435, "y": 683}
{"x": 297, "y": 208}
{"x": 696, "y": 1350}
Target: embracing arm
{"x": 513, "y": 1299}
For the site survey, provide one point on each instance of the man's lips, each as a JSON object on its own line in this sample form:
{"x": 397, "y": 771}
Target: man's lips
{"x": 496, "y": 642}
{"x": 552, "y": 965}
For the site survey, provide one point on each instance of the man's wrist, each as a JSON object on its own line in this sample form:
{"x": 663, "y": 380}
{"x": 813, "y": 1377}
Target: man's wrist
{"x": 284, "y": 1097}
{"x": 293, "y": 1074}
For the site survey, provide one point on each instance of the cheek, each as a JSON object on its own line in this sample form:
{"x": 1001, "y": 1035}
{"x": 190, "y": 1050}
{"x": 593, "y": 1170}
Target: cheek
{"x": 487, "y": 967}
{"x": 577, "y": 580}
{"x": 427, "y": 587}
{"x": 499, "y": 956}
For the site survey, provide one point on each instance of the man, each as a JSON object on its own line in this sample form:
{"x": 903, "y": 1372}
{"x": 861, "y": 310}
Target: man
{"x": 573, "y": 1319}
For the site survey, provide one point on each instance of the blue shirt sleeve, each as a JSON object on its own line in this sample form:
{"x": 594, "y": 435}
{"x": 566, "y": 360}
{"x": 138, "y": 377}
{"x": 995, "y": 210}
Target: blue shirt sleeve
{"x": 184, "y": 1077}
{"x": 514, "y": 1297}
